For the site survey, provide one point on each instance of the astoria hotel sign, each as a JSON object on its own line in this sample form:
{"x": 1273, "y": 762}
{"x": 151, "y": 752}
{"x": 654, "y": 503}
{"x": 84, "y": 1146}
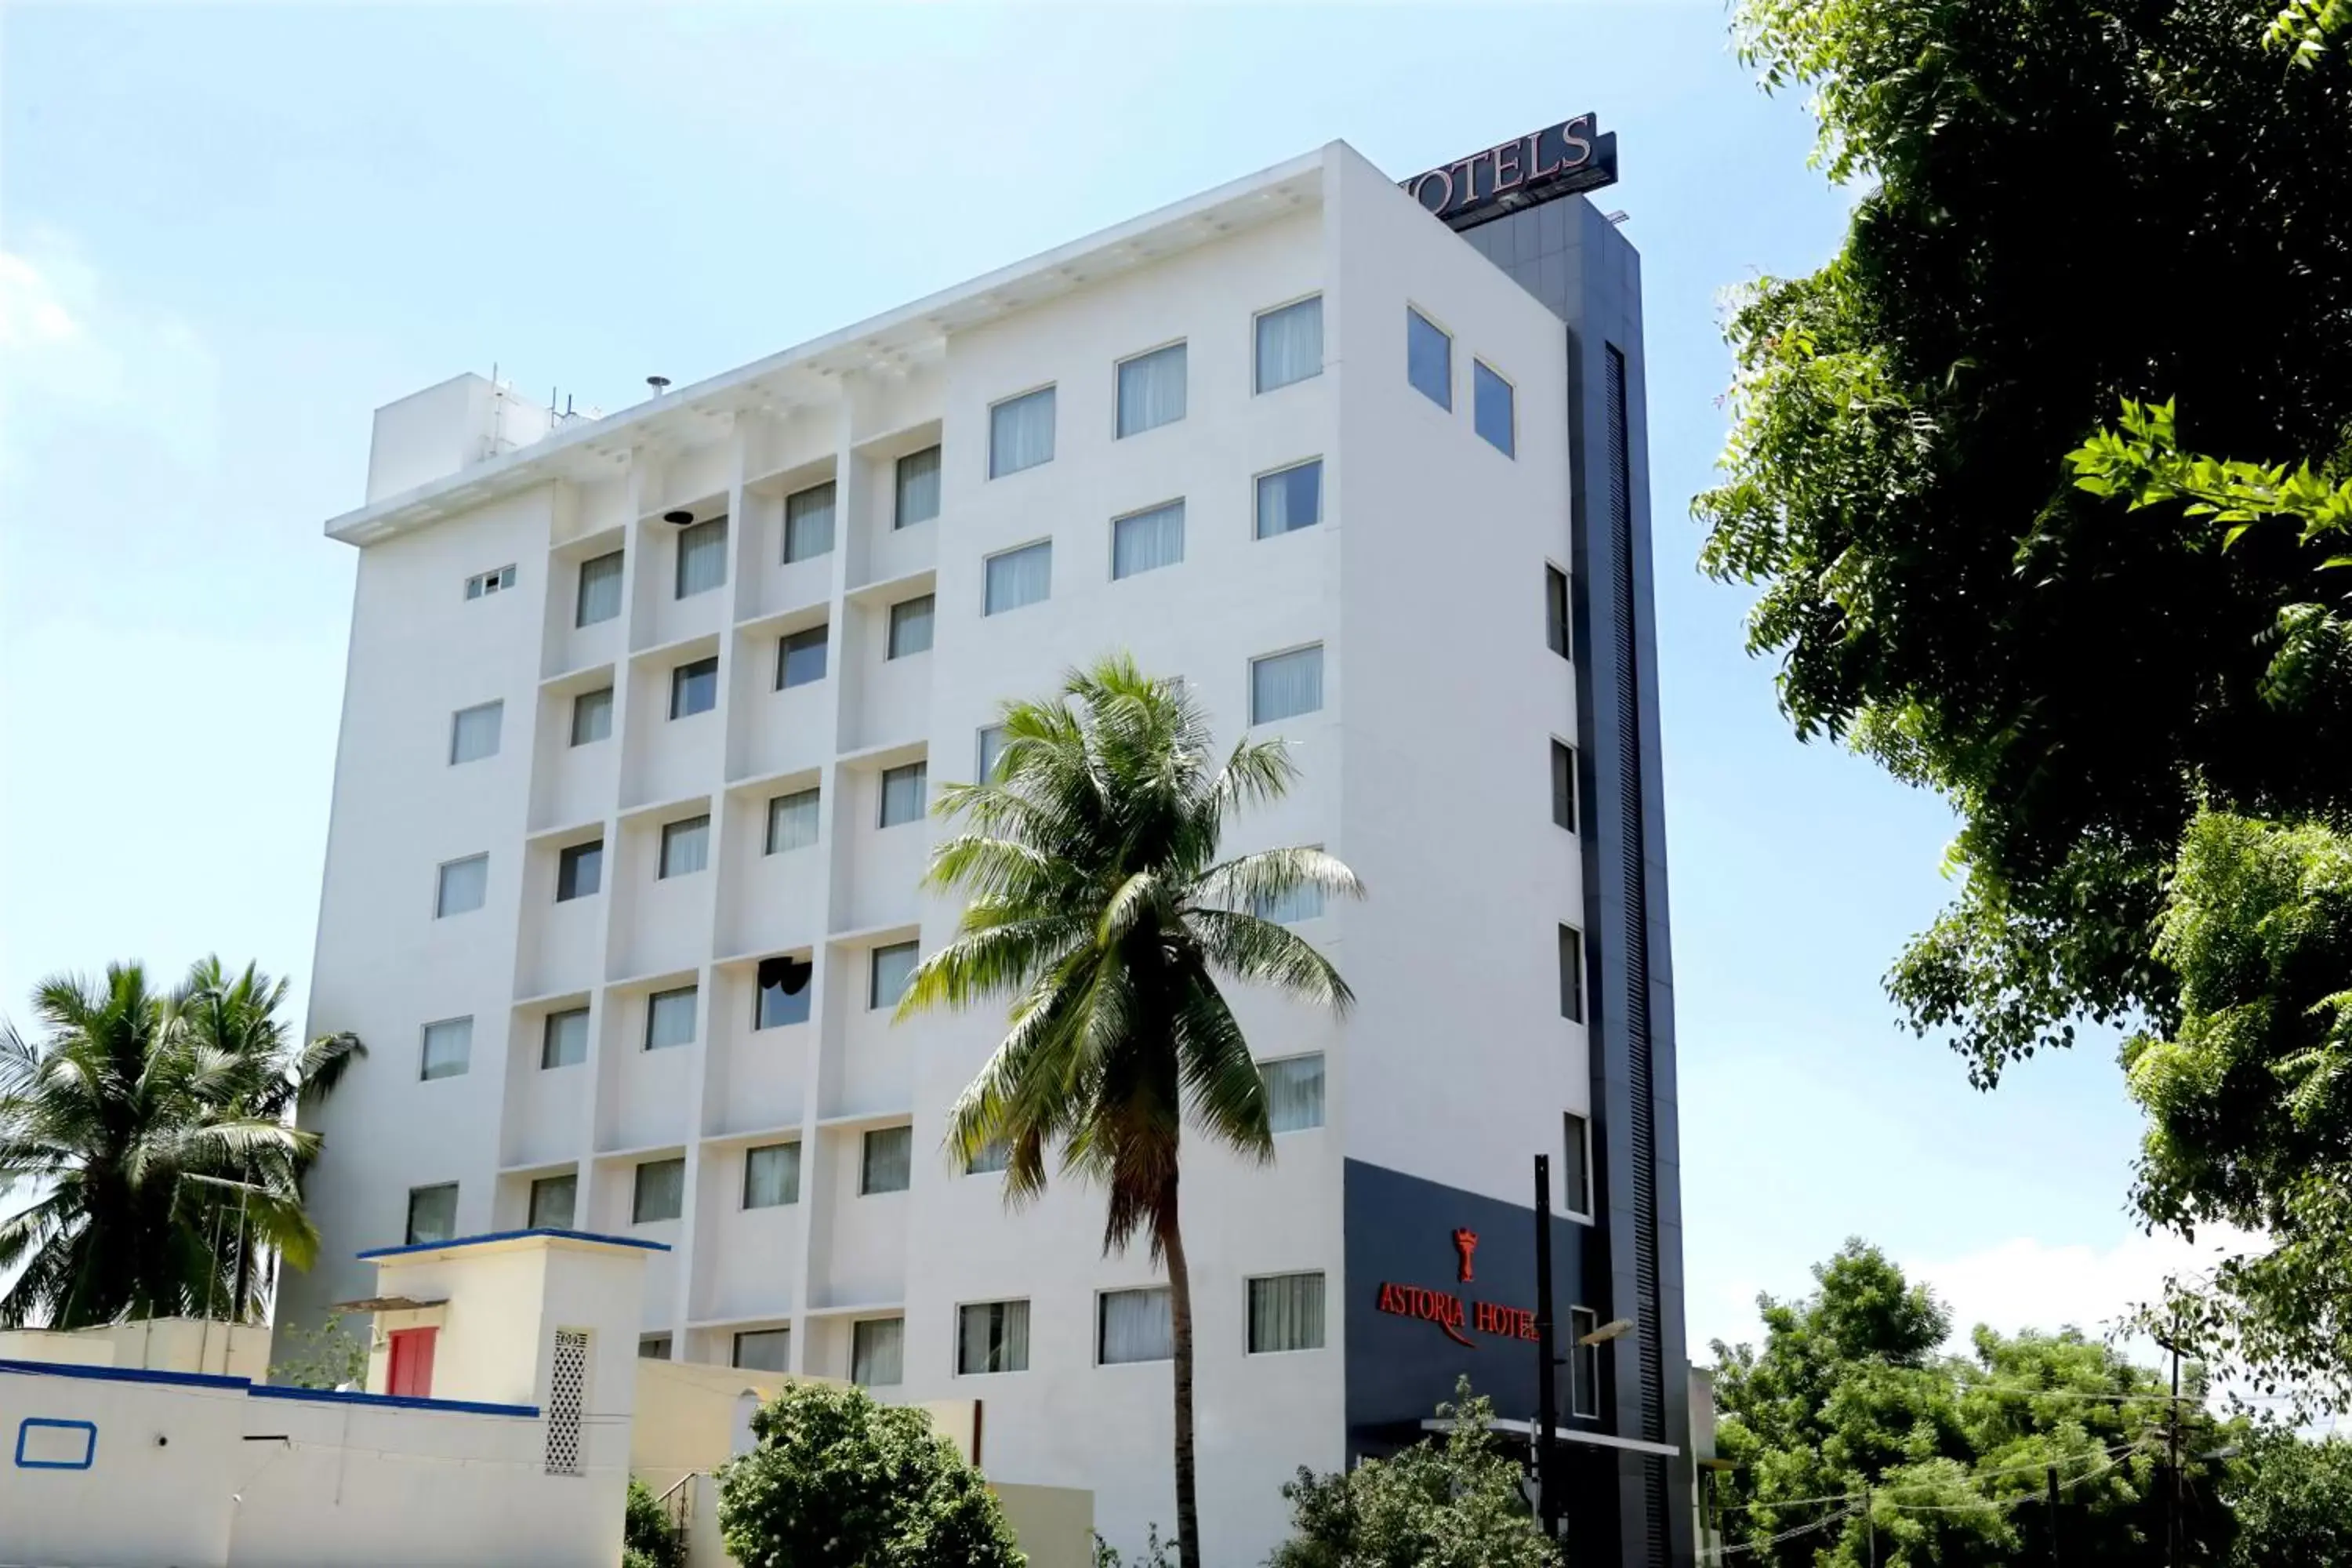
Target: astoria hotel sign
{"x": 1494, "y": 182}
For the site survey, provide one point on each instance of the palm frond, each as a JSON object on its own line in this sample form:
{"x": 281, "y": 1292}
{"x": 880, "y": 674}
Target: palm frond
{"x": 1253, "y": 882}
{"x": 1264, "y": 953}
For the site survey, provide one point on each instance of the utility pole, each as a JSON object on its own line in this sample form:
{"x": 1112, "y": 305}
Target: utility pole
{"x": 1546, "y": 1391}
{"x": 2055, "y": 1558}
{"x": 2172, "y": 1502}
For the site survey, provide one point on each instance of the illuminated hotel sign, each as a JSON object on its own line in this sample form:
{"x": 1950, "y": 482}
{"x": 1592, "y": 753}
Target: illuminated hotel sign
{"x": 1452, "y": 1313}
{"x": 1540, "y": 166}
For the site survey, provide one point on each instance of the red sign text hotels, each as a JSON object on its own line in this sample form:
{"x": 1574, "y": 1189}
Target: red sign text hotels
{"x": 1449, "y": 1312}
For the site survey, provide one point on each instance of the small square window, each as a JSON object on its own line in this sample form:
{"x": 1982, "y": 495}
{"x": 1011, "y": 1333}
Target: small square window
{"x": 484, "y": 583}
{"x": 669, "y": 1018}
{"x": 1294, "y": 1093}
{"x": 563, "y": 1039}
{"x": 600, "y": 590}
{"x": 1571, "y": 975}
{"x": 448, "y": 1048}
{"x": 808, "y": 523}
{"x": 654, "y": 1347}
{"x": 1286, "y": 1313}
{"x": 893, "y": 966}
{"x": 473, "y": 733}
{"x": 1284, "y": 685}
{"x": 1147, "y": 540}
{"x": 1302, "y": 902}
{"x": 1492, "y": 408}
{"x": 432, "y": 1214}
{"x": 771, "y": 1175}
{"x": 792, "y": 821}
{"x": 701, "y": 557}
{"x": 579, "y": 871}
{"x": 1021, "y": 433}
{"x": 463, "y": 885}
{"x": 910, "y": 627}
{"x": 1134, "y": 1326}
{"x": 1290, "y": 498}
{"x": 800, "y": 658}
{"x": 903, "y": 791}
{"x": 919, "y": 489}
{"x": 994, "y": 1155}
{"x": 764, "y": 1349}
{"x": 554, "y": 1201}
{"x": 1563, "y": 785}
{"x": 1019, "y": 577}
{"x": 694, "y": 687}
{"x": 1289, "y": 344}
{"x": 1151, "y": 390}
{"x": 1557, "y": 625}
{"x": 1576, "y": 1166}
{"x": 992, "y": 746}
{"x": 684, "y": 846}
{"x": 886, "y": 1161}
{"x": 591, "y": 716}
{"x": 660, "y": 1192}
{"x": 1428, "y": 358}
{"x": 992, "y": 1336}
{"x": 783, "y": 993}
{"x": 877, "y": 1353}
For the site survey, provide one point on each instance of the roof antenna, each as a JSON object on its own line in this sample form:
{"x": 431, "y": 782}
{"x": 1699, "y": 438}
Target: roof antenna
{"x": 660, "y": 383}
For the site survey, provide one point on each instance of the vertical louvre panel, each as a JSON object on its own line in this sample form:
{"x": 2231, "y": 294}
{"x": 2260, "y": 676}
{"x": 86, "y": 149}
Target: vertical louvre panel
{"x": 567, "y": 1398}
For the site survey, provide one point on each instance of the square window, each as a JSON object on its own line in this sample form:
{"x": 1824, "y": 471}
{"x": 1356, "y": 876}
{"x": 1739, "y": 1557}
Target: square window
{"x": 1289, "y": 344}
{"x": 1304, "y": 902}
{"x": 669, "y": 1018}
{"x": 792, "y": 821}
{"x": 473, "y": 733}
{"x": 783, "y": 993}
{"x": 701, "y": 557}
{"x": 893, "y": 966}
{"x": 694, "y": 687}
{"x": 800, "y": 657}
{"x": 764, "y": 1349}
{"x": 1428, "y": 358}
{"x": 432, "y": 1214}
{"x": 660, "y": 1192}
{"x": 1584, "y": 1363}
{"x": 903, "y": 790}
{"x": 808, "y": 523}
{"x": 1018, "y": 577}
{"x": 1290, "y": 498}
{"x": 771, "y": 1175}
{"x": 484, "y": 583}
{"x": 1294, "y": 1093}
{"x": 1563, "y": 785}
{"x": 591, "y": 716}
{"x": 1151, "y": 390}
{"x": 1576, "y": 1166}
{"x": 684, "y": 846}
{"x": 1133, "y": 1326}
{"x": 878, "y": 1352}
{"x": 1571, "y": 975}
{"x": 992, "y": 1336}
{"x": 1021, "y": 433}
{"x": 1147, "y": 541}
{"x": 599, "y": 597}
{"x": 992, "y": 746}
{"x": 563, "y": 1039}
{"x": 886, "y": 1161}
{"x": 1557, "y": 623}
{"x": 463, "y": 885}
{"x": 994, "y": 1155}
{"x": 910, "y": 627}
{"x": 579, "y": 871}
{"x": 553, "y": 1202}
{"x": 1284, "y": 685}
{"x": 448, "y": 1048}
{"x": 918, "y": 489}
{"x": 1286, "y": 1313}
{"x": 1492, "y": 408}
{"x": 653, "y": 1347}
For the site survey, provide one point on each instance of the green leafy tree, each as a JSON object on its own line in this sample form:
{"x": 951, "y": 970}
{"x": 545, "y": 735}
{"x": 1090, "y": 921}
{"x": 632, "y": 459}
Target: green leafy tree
{"x": 2293, "y": 1498}
{"x": 1452, "y": 1502}
{"x": 324, "y": 1355}
{"x": 839, "y": 1481}
{"x": 650, "y": 1537}
{"x": 1097, "y": 899}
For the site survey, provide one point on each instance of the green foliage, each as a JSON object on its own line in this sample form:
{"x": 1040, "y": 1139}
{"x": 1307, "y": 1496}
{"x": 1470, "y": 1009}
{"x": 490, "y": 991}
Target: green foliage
{"x": 839, "y": 1481}
{"x": 650, "y": 1537}
{"x": 1454, "y": 1502}
{"x": 2294, "y": 1504}
{"x": 1155, "y": 1552}
{"x": 2305, "y": 25}
{"x": 325, "y": 1355}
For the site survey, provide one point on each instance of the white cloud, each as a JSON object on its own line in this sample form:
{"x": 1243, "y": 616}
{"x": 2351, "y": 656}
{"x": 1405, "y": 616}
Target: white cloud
{"x": 2023, "y": 1283}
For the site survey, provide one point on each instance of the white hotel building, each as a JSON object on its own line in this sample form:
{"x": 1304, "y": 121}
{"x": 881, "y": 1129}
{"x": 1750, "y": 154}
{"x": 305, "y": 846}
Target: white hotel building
{"x": 641, "y": 717}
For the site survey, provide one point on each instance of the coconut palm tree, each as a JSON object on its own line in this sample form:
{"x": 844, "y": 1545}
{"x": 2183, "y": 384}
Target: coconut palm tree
{"x": 1097, "y": 902}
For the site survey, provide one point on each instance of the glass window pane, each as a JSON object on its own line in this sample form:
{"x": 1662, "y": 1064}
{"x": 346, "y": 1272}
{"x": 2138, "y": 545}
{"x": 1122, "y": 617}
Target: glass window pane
{"x": 893, "y": 966}
{"x": 579, "y": 871}
{"x": 1284, "y": 685}
{"x": 591, "y": 716}
{"x": 1021, "y": 433}
{"x": 449, "y": 1048}
{"x": 992, "y": 746}
{"x": 1571, "y": 975}
{"x": 1019, "y": 577}
{"x": 1428, "y": 358}
{"x": 684, "y": 846}
{"x": 1151, "y": 390}
{"x": 464, "y": 885}
{"x": 1304, "y": 902}
{"x": 701, "y": 557}
{"x": 1290, "y": 345}
{"x": 800, "y": 657}
{"x": 1491, "y": 408}
{"x": 887, "y": 1161}
{"x": 910, "y": 627}
{"x": 432, "y": 1214}
{"x": 808, "y": 523}
{"x": 903, "y": 789}
{"x": 669, "y": 1018}
{"x": 1576, "y": 1167}
{"x": 993, "y": 1336}
{"x": 1290, "y": 498}
{"x": 694, "y": 687}
{"x": 553, "y": 1200}
{"x": 1286, "y": 1313}
{"x": 877, "y": 1353}
{"x": 764, "y": 1349}
{"x": 1557, "y": 624}
{"x": 653, "y": 1347}
{"x": 1147, "y": 540}
{"x": 771, "y": 1175}
{"x": 1134, "y": 1325}
{"x": 1563, "y": 786}
{"x": 563, "y": 1041}
{"x": 473, "y": 733}
{"x": 660, "y": 1193}
{"x": 919, "y": 489}
{"x": 783, "y": 993}
{"x": 1584, "y": 1363}
{"x": 1294, "y": 1093}
{"x": 994, "y": 1155}
{"x": 792, "y": 821}
{"x": 600, "y": 590}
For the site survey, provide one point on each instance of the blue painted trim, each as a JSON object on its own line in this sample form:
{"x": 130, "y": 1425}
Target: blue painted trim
{"x": 390, "y": 1401}
{"x": 414, "y": 1247}
{"x": 123, "y": 1375}
{"x": 89, "y": 1452}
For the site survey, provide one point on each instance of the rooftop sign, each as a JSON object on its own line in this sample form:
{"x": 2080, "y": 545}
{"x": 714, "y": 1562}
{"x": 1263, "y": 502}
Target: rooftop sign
{"x": 1541, "y": 166}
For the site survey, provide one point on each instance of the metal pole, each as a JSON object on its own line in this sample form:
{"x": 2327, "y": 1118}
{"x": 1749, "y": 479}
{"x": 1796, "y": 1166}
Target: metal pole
{"x": 1547, "y": 1393}
{"x": 2172, "y": 1502}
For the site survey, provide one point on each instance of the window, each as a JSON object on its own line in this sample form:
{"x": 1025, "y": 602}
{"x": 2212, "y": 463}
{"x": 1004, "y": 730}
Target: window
{"x": 591, "y": 716}
{"x": 579, "y": 870}
{"x": 800, "y": 657}
{"x": 992, "y": 746}
{"x": 808, "y": 523}
{"x": 783, "y": 998}
{"x": 660, "y": 1192}
{"x": 701, "y": 557}
{"x": 669, "y": 1018}
{"x": 694, "y": 687}
{"x": 910, "y": 627}
{"x": 553, "y": 1200}
{"x": 792, "y": 821}
{"x": 764, "y": 1349}
{"x": 1576, "y": 1166}
{"x": 684, "y": 846}
{"x": 919, "y": 489}
{"x": 1147, "y": 541}
{"x": 1284, "y": 685}
{"x": 563, "y": 1039}
{"x": 1428, "y": 358}
{"x": 1583, "y": 1364}
{"x": 1021, "y": 433}
{"x": 893, "y": 966}
{"x": 432, "y": 1214}
{"x": 1290, "y": 498}
{"x": 1304, "y": 902}
{"x": 1563, "y": 785}
{"x": 653, "y": 1347}
{"x": 1571, "y": 975}
{"x": 473, "y": 733}
{"x": 1018, "y": 577}
{"x": 992, "y": 1336}
{"x": 1286, "y": 1313}
{"x": 464, "y": 884}
{"x": 1557, "y": 624}
{"x": 1294, "y": 1093}
{"x": 994, "y": 1155}
{"x": 481, "y": 584}
{"x": 1151, "y": 390}
{"x": 886, "y": 1161}
{"x": 1133, "y": 1325}
{"x": 902, "y": 792}
{"x": 448, "y": 1048}
{"x": 599, "y": 597}
{"x": 878, "y": 1352}
{"x": 1491, "y": 408}
{"x": 771, "y": 1175}
{"x": 1290, "y": 345}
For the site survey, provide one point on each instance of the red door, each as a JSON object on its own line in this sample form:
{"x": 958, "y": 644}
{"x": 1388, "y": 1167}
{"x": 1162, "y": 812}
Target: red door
{"x": 411, "y": 1363}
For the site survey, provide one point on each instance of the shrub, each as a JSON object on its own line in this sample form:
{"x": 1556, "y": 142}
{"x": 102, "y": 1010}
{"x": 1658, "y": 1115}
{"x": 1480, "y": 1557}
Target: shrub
{"x": 649, "y": 1537}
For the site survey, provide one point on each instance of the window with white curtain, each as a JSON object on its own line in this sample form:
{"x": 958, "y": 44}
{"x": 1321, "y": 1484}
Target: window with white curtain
{"x": 1571, "y": 975}
{"x": 993, "y": 1156}
{"x": 579, "y": 870}
{"x": 1151, "y": 390}
{"x": 1428, "y": 358}
{"x": 462, "y": 886}
{"x": 877, "y": 1348}
{"x": 554, "y": 1202}
{"x": 764, "y": 1349}
{"x": 701, "y": 557}
{"x": 919, "y": 489}
{"x": 1018, "y": 577}
{"x": 992, "y": 746}
{"x": 808, "y": 523}
{"x": 432, "y": 1213}
{"x": 1491, "y": 408}
{"x": 1294, "y": 1092}
{"x": 903, "y": 790}
{"x": 1134, "y": 1325}
{"x": 886, "y": 1161}
{"x": 800, "y": 657}
{"x": 792, "y": 821}
{"x": 1021, "y": 433}
{"x": 473, "y": 733}
{"x": 1576, "y": 1164}
{"x": 893, "y": 966}
{"x": 591, "y": 716}
{"x": 992, "y": 1336}
{"x": 910, "y": 627}
{"x": 600, "y": 590}
{"x": 684, "y": 846}
{"x": 1584, "y": 1363}
{"x": 1290, "y": 498}
{"x": 1284, "y": 685}
{"x": 669, "y": 1018}
{"x": 660, "y": 1192}
{"x": 1290, "y": 345}
{"x": 771, "y": 1175}
{"x": 563, "y": 1039}
{"x": 1147, "y": 541}
{"x": 448, "y": 1048}
{"x": 1286, "y": 1313}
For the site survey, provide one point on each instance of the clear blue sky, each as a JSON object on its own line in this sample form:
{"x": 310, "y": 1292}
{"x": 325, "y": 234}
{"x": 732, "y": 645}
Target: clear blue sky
{"x": 231, "y": 235}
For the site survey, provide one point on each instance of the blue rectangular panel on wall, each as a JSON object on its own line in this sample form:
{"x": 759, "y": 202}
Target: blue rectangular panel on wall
{"x": 43, "y": 1444}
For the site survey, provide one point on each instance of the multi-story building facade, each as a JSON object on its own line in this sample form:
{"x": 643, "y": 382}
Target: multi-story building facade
{"x": 643, "y": 714}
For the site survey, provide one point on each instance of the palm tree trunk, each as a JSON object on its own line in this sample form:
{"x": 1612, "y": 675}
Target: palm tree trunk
{"x": 1180, "y": 1312}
